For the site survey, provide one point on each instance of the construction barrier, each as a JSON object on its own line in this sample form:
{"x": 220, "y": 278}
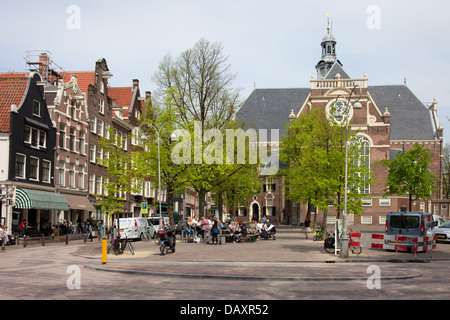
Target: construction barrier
{"x": 404, "y": 242}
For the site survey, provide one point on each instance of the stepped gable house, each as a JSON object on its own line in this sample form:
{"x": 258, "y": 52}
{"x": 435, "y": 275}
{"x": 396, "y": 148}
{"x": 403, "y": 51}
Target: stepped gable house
{"x": 391, "y": 119}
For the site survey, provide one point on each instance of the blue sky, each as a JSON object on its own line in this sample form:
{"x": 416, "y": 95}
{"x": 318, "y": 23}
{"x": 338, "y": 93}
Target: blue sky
{"x": 273, "y": 44}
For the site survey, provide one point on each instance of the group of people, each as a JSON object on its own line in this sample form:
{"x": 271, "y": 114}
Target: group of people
{"x": 66, "y": 227}
{"x": 193, "y": 226}
{"x": 264, "y": 227}
{"x": 235, "y": 229}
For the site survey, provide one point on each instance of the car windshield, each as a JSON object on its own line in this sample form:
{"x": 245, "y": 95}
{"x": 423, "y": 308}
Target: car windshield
{"x": 445, "y": 225}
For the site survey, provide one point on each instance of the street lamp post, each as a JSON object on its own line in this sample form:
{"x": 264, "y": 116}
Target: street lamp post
{"x": 339, "y": 115}
{"x": 158, "y": 134}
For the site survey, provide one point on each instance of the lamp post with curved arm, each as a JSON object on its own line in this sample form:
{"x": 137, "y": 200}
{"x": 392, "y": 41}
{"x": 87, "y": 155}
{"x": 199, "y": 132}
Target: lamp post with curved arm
{"x": 339, "y": 116}
{"x": 158, "y": 135}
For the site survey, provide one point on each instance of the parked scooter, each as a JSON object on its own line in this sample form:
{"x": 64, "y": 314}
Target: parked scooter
{"x": 167, "y": 240}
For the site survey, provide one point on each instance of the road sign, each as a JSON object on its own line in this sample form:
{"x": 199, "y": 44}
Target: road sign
{"x": 144, "y": 207}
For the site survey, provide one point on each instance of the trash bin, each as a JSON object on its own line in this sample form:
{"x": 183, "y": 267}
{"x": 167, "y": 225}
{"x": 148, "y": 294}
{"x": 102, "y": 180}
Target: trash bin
{"x": 223, "y": 240}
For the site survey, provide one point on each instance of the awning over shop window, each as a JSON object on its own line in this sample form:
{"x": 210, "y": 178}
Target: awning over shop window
{"x": 37, "y": 199}
{"x": 78, "y": 202}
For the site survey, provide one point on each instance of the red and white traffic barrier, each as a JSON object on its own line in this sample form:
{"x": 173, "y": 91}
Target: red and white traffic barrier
{"x": 404, "y": 242}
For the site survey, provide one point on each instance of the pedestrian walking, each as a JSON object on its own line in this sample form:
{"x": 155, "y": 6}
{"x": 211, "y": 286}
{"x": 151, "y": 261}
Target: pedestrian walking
{"x": 307, "y": 227}
{"x": 89, "y": 231}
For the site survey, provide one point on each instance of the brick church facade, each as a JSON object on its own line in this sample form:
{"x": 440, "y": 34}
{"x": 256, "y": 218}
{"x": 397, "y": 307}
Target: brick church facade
{"x": 390, "y": 119}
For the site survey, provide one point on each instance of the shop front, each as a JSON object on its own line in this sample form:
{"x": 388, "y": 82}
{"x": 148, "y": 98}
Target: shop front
{"x": 79, "y": 208}
{"x": 41, "y": 209}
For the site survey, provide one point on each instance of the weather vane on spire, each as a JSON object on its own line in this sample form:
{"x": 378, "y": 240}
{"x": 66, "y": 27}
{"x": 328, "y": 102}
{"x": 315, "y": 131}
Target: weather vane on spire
{"x": 329, "y": 28}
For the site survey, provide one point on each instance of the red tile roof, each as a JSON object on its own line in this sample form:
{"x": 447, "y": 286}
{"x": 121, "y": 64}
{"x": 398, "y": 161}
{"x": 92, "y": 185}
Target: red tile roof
{"x": 84, "y": 79}
{"x": 122, "y": 95}
{"x": 12, "y": 90}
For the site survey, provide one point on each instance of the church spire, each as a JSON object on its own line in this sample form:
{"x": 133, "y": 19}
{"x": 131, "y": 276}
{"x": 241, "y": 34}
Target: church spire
{"x": 328, "y": 57}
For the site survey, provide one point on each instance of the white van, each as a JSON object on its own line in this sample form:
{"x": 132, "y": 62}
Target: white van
{"x": 133, "y": 228}
{"x": 153, "y": 224}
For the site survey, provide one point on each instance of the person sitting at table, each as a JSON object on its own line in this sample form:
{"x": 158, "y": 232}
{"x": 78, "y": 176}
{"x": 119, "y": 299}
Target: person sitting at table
{"x": 204, "y": 225}
{"x": 189, "y": 227}
{"x": 239, "y": 232}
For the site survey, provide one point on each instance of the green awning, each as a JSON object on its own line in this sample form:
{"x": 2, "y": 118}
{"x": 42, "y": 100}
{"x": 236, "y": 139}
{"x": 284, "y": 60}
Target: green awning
{"x": 37, "y": 199}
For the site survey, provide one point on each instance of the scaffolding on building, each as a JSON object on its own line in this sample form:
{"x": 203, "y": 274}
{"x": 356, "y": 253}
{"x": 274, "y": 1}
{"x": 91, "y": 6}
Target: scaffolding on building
{"x": 40, "y": 61}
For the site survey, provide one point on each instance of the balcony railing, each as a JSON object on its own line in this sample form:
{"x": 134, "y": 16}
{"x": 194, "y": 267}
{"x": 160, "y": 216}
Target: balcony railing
{"x": 338, "y": 83}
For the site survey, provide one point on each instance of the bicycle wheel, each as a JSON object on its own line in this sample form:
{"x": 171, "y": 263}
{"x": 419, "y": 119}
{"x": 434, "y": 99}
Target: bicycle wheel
{"x": 329, "y": 249}
{"x": 130, "y": 246}
{"x": 116, "y": 248}
{"x": 355, "y": 250}
{"x": 328, "y": 245}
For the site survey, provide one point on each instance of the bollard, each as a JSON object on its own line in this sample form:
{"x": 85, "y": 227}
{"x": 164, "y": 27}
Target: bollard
{"x": 67, "y": 238}
{"x": 24, "y": 241}
{"x": 43, "y": 240}
{"x": 84, "y": 237}
{"x": 3, "y": 243}
{"x": 104, "y": 245}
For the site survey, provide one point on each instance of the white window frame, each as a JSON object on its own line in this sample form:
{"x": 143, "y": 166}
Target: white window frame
{"x": 24, "y": 165}
{"x": 91, "y": 183}
{"x": 93, "y": 124}
{"x": 38, "y": 114}
{"x": 49, "y": 171}
{"x": 101, "y": 105}
{"x": 37, "y": 168}
{"x": 366, "y": 219}
{"x": 92, "y": 153}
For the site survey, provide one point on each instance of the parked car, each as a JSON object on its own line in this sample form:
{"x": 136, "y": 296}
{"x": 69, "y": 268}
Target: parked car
{"x": 443, "y": 232}
{"x": 438, "y": 220}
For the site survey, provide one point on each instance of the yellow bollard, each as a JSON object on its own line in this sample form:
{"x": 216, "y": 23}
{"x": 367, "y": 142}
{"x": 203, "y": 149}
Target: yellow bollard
{"x": 104, "y": 245}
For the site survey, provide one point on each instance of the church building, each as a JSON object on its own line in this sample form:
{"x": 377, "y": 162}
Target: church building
{"x": 390, "y": 119}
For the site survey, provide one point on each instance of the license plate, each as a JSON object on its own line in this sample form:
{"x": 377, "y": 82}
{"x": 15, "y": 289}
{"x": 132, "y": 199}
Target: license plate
{"x": 441, "y": 236}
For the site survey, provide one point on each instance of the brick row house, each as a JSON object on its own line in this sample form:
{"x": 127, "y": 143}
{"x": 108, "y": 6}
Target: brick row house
{"x": 390, "y": 119}
{"x": 51, "y": 124}
{"x": 28, "y": 140}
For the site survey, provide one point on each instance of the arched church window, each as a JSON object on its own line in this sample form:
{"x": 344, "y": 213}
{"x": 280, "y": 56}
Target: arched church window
{"x": 361, "y": 162}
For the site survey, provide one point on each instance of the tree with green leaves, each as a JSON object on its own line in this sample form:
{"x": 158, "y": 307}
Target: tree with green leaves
{"x": 409, "y": 174}
{"x": 117, "y": 162}
{"x": 159, "y": 127}
{"x": 199, "y": 84}
{"x": 314, "y": 148}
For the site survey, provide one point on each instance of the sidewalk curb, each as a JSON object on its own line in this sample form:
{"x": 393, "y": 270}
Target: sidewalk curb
{"x": 235, "y": 277}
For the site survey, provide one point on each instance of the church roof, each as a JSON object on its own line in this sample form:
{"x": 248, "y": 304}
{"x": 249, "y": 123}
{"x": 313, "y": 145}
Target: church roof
{"x": 335, "y": 70}
{"x": 410, "y": 119}
{"x": 270, "y": 109}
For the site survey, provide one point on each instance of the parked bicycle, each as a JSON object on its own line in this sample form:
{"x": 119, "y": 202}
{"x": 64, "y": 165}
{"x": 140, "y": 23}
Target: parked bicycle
{"x": 329, "y": 243}
{"x": 354, "y": 249}
{"x": 118, "y": 246}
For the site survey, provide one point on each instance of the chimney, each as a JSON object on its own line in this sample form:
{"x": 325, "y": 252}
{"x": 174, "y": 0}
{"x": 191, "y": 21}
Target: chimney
{"x": 148, "y": 94}
{"x": 135, "y": 83}
{"x": 44, "y": 61}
